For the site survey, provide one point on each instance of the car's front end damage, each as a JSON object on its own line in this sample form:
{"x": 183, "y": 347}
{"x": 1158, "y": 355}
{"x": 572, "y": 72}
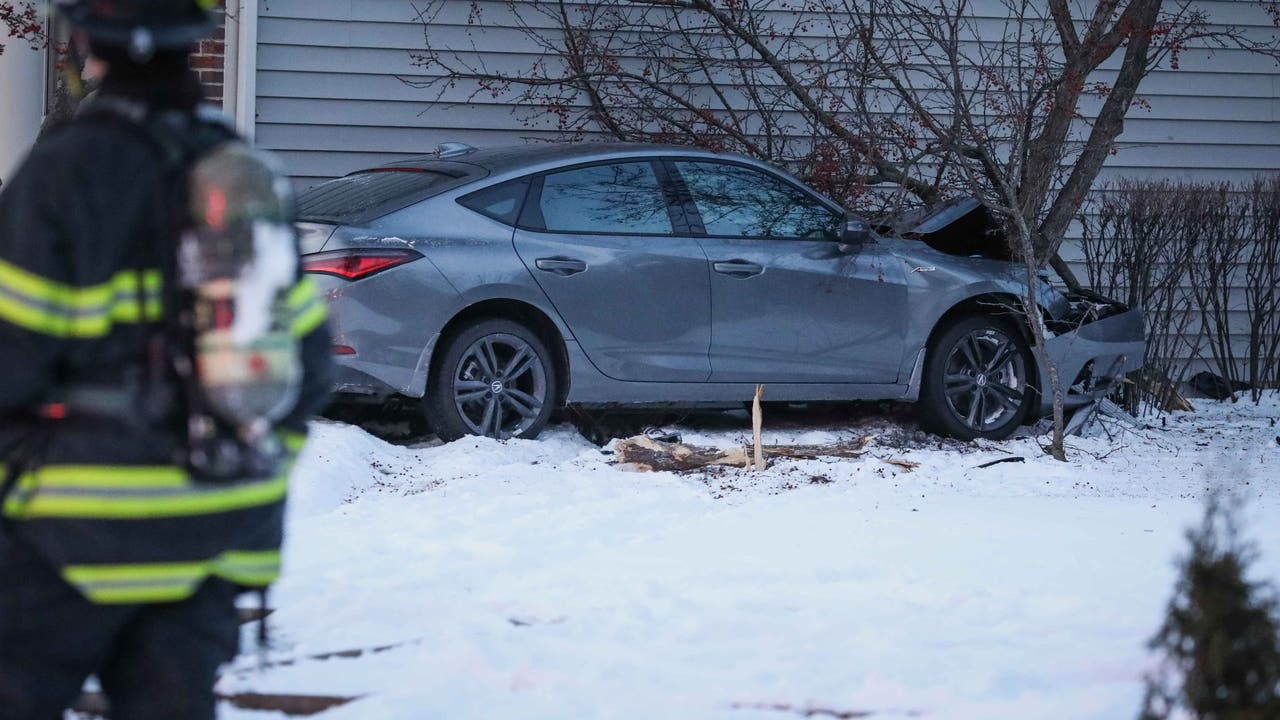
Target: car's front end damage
{"x": 1092, "y": 343}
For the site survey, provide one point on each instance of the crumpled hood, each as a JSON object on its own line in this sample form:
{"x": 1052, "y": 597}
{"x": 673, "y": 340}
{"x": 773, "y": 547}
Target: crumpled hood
{"x": 962, "y": 227}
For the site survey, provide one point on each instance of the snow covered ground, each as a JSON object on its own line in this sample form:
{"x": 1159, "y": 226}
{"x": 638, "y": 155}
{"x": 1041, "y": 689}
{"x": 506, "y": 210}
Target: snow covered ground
{"x": 533, "y": 579}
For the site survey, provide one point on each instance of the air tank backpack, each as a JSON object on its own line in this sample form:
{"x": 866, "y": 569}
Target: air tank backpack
{"x": 237, "y": 262}
{"x": 225, "y": 336}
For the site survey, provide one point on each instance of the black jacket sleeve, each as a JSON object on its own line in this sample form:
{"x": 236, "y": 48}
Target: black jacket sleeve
{"x": 35, "y": 273}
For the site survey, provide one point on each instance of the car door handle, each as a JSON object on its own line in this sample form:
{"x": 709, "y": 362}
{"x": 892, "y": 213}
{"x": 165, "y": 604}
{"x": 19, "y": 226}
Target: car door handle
{"x": 737, "y": 268}
{"x": 561, "y": 266}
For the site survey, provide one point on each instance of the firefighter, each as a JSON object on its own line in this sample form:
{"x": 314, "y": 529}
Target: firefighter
{"x": 122, "y": 549}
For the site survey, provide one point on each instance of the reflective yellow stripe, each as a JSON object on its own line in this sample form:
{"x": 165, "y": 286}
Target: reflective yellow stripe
{"x": 309, "y": 320}
{"x": 133, "y": 595}
{"x": 44, "y": 290}
{"x": 248, "y": 568}
{"x": 292, "y": 441}
{"x": 32, "y": 318}
{"x": 152, "y": 582}
{"x": 95, "y": 476}
{"x": 171, "y": 572}
{"x": 45, "y": 306}
{"x": 165, "y": 582}
{"x": 99, "y": 499}
{"x": 306, "y": 308}
{"x": 301, "y": 293}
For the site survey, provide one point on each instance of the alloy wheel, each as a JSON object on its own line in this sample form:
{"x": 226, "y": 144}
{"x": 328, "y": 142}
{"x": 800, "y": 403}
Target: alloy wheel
{"x": 985, "y": 380}
{"x": 499, "y": 386}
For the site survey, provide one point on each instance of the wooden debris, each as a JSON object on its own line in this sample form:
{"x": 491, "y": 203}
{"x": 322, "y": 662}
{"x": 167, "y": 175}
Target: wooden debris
{"x": 907, "y": 465}
{"x": 346, "y": 654}
{"x": 645, "y": 453}
{"x": 757, "y": 421}
{"x": 293, "y": 705}
{"x": 808, "y": 712}
{"x": 847, "y": 449}
{"x": 95, "y": 705}
{"x": 253, "y": 614}
{"x": 1168, "y": 398}
{"x": 1014, "y": 459}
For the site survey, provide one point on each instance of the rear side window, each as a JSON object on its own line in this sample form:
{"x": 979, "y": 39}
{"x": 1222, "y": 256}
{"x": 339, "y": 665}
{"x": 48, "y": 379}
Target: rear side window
{"x": 502, "y": 202}
{"x": 618, "y": 199}
{"x": 361, "y": 197}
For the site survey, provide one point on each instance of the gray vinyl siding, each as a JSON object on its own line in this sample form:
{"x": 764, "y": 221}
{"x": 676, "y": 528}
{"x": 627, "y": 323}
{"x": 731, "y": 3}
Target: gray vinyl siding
{"x": 331, "y": 96}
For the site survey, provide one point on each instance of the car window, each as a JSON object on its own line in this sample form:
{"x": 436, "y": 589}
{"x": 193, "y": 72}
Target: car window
{"x": 739, "y": 201}
{"x": 501, "y": 202}
{"x": 618, "y": 198}
{"x": 359, "y": 197}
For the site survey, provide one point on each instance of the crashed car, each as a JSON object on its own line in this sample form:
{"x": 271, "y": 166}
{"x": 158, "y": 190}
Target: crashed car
{"x": 493, "y": 286}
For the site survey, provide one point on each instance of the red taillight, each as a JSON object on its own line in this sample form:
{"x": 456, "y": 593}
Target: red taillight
{"x": 343, "y": 350}
{"x": 357, "y": 263}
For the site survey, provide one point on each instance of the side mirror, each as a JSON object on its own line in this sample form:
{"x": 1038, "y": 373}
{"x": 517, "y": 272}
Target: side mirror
{"x": 856, "y": 232}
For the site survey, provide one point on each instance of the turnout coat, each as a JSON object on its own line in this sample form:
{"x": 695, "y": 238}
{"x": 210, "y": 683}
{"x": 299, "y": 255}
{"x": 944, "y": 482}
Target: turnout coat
{"x": 84, "y": 246}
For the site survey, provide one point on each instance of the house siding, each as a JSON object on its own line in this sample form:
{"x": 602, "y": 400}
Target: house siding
{"x": 331, "y": 95}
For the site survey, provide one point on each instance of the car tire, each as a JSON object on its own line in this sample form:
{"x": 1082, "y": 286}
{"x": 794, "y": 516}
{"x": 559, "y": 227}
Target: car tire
{"x": 494, "y": 378}
{"x": 978, "y": 380}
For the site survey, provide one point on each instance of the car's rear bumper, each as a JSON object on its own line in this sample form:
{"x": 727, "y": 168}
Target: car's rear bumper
{"x": 385, "y": 329}
{"x": 366, "y": 377}
{"x": 1092, "y": 358}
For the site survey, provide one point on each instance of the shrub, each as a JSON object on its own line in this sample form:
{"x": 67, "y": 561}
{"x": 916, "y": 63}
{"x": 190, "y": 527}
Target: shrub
{"x": 1219, "y": 640}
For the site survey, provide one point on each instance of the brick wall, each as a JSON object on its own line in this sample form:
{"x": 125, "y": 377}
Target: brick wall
{"x": 208, "y": 61}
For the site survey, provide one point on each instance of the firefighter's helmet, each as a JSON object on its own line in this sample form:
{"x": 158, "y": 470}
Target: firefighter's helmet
{"x": 142, "y": 27}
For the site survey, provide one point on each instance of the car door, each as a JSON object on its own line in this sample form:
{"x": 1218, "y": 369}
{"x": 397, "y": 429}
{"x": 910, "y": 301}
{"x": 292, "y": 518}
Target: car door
{"x": 611, "y": 250}
{"x": 789, "y": 302}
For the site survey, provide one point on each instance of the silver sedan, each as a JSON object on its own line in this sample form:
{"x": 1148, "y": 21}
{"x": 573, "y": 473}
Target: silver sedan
{"x": 497, "y": 285}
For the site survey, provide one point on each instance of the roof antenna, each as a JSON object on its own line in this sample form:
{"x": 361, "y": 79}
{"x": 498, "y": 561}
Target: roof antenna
{"x": 453, "y": 149}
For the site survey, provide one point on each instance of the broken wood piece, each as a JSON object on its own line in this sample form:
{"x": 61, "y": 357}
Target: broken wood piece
{"x": 1166, "y": 396}
{"x": 349, "y": 653}
{"x": 757, "y": 421}
{"x": 95, "y": 704}
{"x": 808, "y": 712}
{"x": 293, "y": 705}
{"x": 644, "y": 453}
{"x": 845, "y": 449}
{"x": 1015, "y": 459}
{"x": 907, "y": 465}
{"x": 252, "y": 614}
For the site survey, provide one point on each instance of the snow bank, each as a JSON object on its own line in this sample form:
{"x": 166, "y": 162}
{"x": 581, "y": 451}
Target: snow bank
{"x": 535, "y": 580}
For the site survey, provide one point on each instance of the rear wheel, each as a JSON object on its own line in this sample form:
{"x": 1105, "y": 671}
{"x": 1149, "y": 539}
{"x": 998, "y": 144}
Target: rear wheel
{"x": 977, "y": 380}
{"x": 495, "y": 378}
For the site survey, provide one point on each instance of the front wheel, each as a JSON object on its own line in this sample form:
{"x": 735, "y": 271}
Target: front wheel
{"x": 495, "y": 379}
{"x": 977, "y": 380}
